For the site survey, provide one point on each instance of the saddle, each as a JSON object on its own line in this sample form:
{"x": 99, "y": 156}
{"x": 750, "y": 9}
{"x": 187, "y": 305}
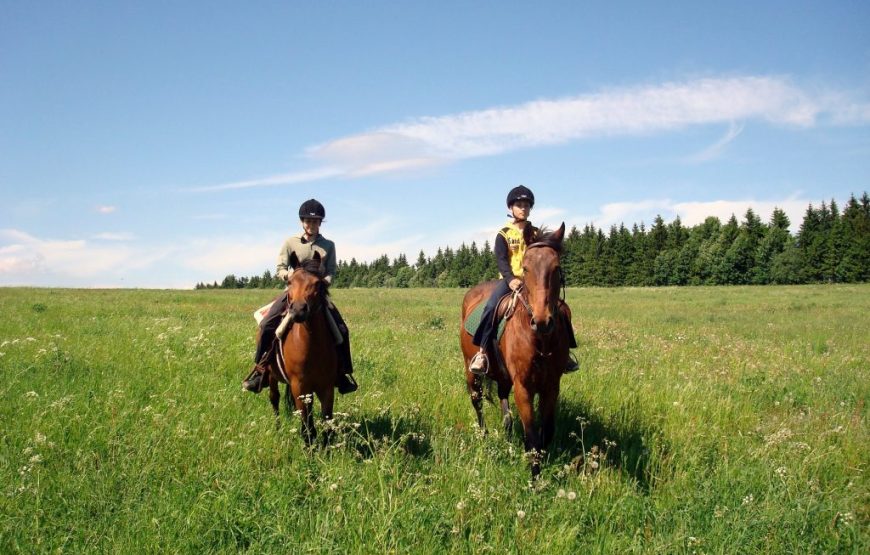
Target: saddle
{"x": 503, "y": 311}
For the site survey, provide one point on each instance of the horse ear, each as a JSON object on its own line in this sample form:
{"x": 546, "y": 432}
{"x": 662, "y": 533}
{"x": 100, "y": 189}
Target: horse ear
{"x": 559, "y": 233}
{"x": 316, "y": 257}
{"x": 294, "y": 260}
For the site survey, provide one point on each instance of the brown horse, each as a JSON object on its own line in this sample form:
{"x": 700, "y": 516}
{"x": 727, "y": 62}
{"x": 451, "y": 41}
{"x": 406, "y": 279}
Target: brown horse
{"x": 533, "y": 349}
{"x": 308, "y": 349}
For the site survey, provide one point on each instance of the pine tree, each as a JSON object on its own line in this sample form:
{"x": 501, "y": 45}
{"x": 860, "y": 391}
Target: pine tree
{"x": 774, "y": 242}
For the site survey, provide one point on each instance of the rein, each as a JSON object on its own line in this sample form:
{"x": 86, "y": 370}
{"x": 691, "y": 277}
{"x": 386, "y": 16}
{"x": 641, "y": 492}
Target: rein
{"x": 518, "y": 294}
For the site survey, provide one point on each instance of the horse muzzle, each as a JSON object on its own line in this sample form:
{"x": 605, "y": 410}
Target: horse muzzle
{"x": 544, "y": 327}
{"x": 299, "y": 312}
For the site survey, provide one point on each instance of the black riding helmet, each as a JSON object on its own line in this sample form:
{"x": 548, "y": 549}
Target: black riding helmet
{"x": 520, "y": 192}
{"x": 312, "y": 209}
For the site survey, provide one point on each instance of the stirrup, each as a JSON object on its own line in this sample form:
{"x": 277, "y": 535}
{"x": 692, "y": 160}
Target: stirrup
{"x": 254, "y": 381}
{"x": 573, "y": 365}
{"x": 346, "y": 384}
{"x": 479, "y": 364}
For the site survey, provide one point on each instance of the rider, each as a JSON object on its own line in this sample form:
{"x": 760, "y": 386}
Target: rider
{"x": 305, "y": 245}
{"x": 510, "y": 246}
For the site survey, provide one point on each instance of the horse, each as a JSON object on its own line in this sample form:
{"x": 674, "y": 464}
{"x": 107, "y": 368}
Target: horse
{"x": 308, "y": 350}
{"x": 533, "y": 351}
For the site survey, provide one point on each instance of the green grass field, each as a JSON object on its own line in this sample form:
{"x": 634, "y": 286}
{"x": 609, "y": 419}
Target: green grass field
{"x": 708, "y": 420}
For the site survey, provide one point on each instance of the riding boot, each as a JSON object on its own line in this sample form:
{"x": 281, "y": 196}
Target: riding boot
{"x": 255, "y": 380}
{"x": 346, "y": 383}
{"x": 573, "y": 365}
{"x": 265, "y": 346}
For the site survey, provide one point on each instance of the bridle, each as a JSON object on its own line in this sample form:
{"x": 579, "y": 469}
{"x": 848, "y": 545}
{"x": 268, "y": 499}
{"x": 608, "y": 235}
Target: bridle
{"x": 317, "y": 301}
{"x": 522, "y": 294}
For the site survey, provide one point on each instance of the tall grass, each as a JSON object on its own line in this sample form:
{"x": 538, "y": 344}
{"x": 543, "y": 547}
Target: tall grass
{"x": 708, "y": 420}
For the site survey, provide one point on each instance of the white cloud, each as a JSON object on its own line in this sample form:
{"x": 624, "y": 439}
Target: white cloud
{"x": 104, "y": 209}
{"x": 273, "y": 180}
{"x": 114, "y": 236}
{"x": 547, "y": 215}
{"x": 693, "y": 213}
{"x": 429, "y": 141}
{"x": 25, "y": 257}
{"x": 632, "y": 111}
{"x": 223, "y": 256}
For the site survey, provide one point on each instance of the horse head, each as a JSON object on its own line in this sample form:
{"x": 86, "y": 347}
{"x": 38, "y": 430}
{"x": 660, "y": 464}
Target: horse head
{"x": 542, "y": 276}
{"x": 307, "y": 287}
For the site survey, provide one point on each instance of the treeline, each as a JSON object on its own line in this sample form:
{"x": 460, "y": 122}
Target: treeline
{"x": 831, "y": 246}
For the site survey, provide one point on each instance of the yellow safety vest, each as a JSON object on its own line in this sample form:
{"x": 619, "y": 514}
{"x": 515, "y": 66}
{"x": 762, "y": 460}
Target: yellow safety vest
{"x": 516, "y": 246}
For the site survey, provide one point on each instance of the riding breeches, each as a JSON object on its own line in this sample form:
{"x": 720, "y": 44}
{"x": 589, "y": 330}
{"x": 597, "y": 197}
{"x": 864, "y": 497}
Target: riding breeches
{"x": 268, "y": 326}
{"x": 485, "y": 329}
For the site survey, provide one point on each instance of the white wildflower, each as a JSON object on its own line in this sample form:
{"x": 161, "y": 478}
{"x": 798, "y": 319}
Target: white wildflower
{"x": 460, "y": 506}
{"x": 846, "y": 518}
{"x": 560, "y": 493}
{"x": 572, "y": 495}
{"x": 521, "y": 514}
{"x": 31, "y": 394}
{"x": 748, "y": 499}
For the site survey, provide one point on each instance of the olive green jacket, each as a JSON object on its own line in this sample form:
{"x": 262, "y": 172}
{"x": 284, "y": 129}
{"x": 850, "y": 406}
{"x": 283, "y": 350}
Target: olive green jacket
{"x": 305, "y": 250}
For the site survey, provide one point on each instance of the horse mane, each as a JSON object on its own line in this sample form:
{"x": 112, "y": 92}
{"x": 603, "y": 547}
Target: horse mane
{"x": 542, "y": 235}
{"x": 313, "y": 267}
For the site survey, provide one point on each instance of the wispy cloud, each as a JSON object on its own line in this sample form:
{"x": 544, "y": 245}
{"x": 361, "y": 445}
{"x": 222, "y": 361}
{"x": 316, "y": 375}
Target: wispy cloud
{"x": 274, "y": 180}
{"x": 114, "y": 236}
{"x": 715, "y": 150}
{"x": 430, "y": 141}
{"x": 23, "y": 255}
{"x": 105, "y": 209}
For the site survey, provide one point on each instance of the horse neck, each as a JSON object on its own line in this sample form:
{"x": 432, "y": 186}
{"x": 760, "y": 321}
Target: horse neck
{"x": 519, "y": 326}
{"x": 309, "y": 335}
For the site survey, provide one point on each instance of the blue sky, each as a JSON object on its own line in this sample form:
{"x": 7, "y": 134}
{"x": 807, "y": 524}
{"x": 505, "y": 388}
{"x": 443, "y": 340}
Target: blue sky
{"x": 159, "y": 144}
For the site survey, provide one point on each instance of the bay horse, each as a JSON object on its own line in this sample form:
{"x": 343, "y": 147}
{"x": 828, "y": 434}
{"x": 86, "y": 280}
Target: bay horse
{"x": 308, "y": 350}
{"x": 533, "y": 351}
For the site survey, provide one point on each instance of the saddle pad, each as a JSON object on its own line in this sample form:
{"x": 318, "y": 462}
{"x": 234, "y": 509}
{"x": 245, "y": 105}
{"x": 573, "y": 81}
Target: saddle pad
{"x": 473, "y": 321}
{"x": 261, "y": 312}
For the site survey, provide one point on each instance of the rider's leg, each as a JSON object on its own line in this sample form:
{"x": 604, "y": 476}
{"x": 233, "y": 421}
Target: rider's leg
{"x": 484, "y": 334}
{"x": 565, "y": 311}
{"x": 268, "y": 325}
{"x": 346, "y": 383}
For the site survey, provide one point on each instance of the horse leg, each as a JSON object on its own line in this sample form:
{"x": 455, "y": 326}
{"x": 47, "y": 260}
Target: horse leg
{"x": 523, "y": 398}
{"x": 275, "y": 399}
{"x": 475, "y": 390}
{"x": 507, "y": 419}
{"x": 327, "y": 399}
{"x": 549, "y": 402}
{"x": 303, "y": 405}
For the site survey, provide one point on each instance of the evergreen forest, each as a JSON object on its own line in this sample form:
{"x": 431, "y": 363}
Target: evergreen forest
{"x": 832, "y": 245}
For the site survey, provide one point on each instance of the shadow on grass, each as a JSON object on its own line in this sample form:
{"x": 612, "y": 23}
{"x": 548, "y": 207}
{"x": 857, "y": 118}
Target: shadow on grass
{"x": 408, "y": 433}
{"x": 585, "y": 443}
